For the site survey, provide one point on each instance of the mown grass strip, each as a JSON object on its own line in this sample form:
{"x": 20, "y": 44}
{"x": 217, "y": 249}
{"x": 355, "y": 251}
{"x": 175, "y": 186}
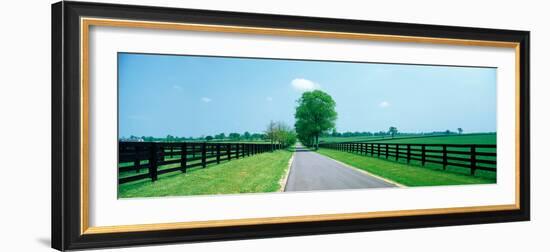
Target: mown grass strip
{"x": 404, "y": 174}
{"x": 259, "y": 173}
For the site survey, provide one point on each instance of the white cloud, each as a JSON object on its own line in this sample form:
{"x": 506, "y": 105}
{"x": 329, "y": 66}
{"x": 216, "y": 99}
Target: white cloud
{"x": 384, "y": 104}
{"x": 177, "y": 87}
{"x": 301, "y": 84}
{"x": 269, "y": 99}
{"x": 206, "y": 99}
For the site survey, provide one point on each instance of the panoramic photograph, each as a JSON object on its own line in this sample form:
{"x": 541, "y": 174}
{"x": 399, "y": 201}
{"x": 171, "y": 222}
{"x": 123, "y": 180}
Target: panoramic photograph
{"x": 210, "y": 125}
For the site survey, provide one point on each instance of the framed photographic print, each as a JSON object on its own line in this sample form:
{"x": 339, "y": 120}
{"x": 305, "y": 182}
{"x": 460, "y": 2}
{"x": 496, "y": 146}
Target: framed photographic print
{"x": 180, "y": 125}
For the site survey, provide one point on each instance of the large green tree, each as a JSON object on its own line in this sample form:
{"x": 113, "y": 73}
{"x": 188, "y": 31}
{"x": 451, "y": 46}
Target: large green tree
{"x": 315, "y": 115}
{"x": 393, "y": 131}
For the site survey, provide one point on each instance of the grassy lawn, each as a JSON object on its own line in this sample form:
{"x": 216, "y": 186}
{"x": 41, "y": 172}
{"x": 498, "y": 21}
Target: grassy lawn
{"x": 408, "y": 175}
{"x": 259, "y": 173}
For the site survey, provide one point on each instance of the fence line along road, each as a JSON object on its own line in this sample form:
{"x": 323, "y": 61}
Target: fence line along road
{"x": 470, "y": 156}
{"x": 135, "y": 156}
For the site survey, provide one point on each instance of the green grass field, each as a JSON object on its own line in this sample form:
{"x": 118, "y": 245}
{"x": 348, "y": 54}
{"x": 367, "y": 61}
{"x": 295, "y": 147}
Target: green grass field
{"x": 351, "y": 139}
{"x": 452, "y": 139}
{"x": 408, "y": 175}
{"x": 259, "y": 173}
{"x": 476, "y": 138}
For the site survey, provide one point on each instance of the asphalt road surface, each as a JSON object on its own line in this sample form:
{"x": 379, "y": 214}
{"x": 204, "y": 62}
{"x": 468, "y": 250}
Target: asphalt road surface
{"x": 313, "y": 171}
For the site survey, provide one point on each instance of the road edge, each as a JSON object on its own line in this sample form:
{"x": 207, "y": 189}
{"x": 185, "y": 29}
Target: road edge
{"x": 284, "y": 179}
{"x": 368, "y": 173}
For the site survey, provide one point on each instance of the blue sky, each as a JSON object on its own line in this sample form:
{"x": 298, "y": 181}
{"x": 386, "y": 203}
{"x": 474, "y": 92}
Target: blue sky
{"x": 200, "y": 96}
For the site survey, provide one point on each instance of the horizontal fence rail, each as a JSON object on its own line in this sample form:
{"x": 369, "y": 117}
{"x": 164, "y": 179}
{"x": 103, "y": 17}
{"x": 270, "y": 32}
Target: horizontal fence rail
{"x": 470, "y": 156}
{"x": 148, "y": 160}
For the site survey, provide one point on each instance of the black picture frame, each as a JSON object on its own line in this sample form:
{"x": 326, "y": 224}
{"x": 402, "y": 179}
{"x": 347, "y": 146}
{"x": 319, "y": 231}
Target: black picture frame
{"x": 66, "y": 125}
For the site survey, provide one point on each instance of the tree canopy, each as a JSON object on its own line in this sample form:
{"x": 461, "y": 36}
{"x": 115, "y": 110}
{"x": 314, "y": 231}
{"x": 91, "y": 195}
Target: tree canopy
{"x": 315, "y": 115}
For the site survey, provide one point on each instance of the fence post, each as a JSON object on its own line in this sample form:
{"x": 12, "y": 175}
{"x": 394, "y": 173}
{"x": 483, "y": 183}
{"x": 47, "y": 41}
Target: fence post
{"x": 397, "y": 152}
{"x": 387, "y": 151}
{"x": 228, "y": 150}
{"x": 423, "y": 154}
{"x": 172, "y": 151}
{"x": 137, "y": 159}
{"x": 203, "y": 154}
{"x": 378, "y": 149}
{"x": 237, "y": 151}
{"x": 444, "y": 157}
{"x": 473, "y": 160}
{"x": 161, "y": 153}
{"x": 408, "y": 153}
{"x": 183, "y": 157}
{"x": 153, "y": 162}
{"x": 217, "y": 153}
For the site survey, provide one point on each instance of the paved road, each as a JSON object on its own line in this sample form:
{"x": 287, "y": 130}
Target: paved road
{"x": 313, "y": 171}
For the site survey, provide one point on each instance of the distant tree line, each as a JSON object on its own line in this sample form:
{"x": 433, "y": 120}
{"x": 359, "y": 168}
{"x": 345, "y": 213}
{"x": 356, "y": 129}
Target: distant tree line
{"x": 234, "y": 136}
{"x": 276, "y": 132}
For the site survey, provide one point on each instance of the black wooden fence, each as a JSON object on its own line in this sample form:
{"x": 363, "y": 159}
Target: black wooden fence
{"x": 470, "y": 156}
{"x": 142, "y": 160}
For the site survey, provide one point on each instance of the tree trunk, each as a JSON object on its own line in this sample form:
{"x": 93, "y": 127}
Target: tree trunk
{"x": 317, "y": 141}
